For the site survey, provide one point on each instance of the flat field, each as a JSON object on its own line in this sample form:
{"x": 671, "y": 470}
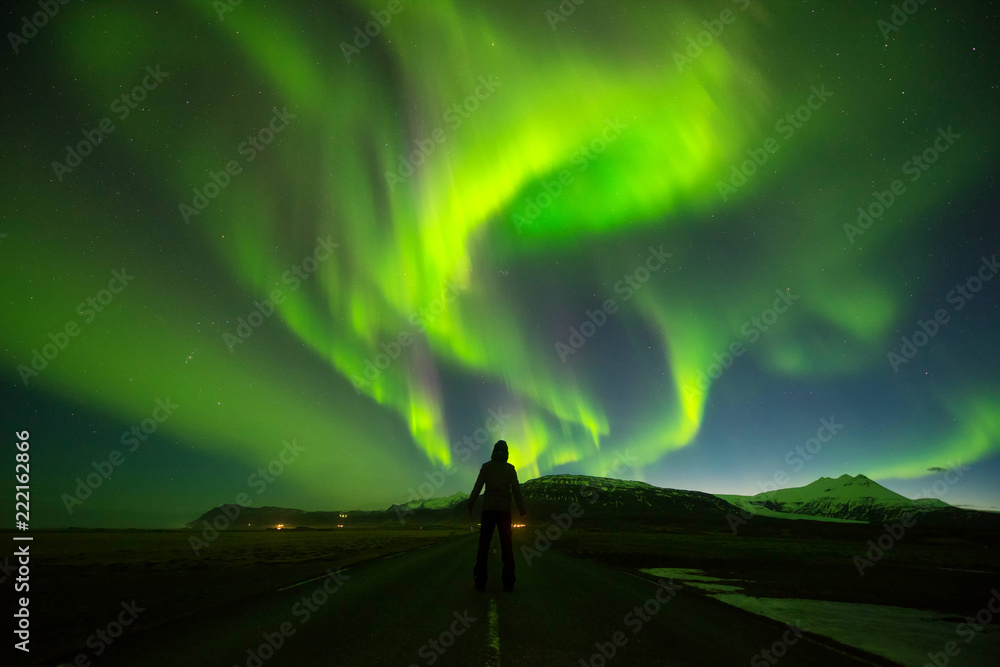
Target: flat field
{"x": 817, "y": 561}
{"x": 79, "y": 579}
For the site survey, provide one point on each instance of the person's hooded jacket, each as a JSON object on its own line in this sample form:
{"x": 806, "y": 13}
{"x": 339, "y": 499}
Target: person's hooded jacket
{"x": 500, "y": 479}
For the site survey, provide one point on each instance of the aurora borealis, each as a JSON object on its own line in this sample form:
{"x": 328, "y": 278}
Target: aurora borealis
{"x": 653, "y": 241}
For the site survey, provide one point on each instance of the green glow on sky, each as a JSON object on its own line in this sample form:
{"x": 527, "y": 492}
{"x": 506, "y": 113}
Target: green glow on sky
{"x": 438, "y": 257}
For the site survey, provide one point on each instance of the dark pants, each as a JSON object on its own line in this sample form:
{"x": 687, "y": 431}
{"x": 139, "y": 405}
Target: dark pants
{"x": 501, "y": 521}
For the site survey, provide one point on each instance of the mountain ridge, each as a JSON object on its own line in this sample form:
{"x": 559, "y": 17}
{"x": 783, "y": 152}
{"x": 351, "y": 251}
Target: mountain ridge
{"x": 848, "y": 497}
{"x": 853, "y": 499}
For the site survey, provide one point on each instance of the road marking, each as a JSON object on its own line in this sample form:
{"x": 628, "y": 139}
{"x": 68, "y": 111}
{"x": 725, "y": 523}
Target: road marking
{"x": 322, "y": 576}
{"x": 636, "y": 576}
{"x": 493, "y": 649}
{"x": 394, "y": 555}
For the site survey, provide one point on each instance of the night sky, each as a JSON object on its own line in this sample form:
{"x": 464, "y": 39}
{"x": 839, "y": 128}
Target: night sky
{"x": 671, "y": 242}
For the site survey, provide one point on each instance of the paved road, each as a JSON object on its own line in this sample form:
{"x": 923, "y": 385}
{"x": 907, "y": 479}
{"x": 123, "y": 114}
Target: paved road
{"x": 389, "y": 611}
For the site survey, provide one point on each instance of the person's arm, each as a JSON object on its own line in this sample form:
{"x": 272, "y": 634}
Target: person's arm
{"x": 515, "y": 488}
{"x": 475, "y": 490}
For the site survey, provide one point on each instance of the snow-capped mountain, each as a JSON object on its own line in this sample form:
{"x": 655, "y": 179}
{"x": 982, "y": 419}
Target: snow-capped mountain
{"x": 434, "y": 503}
{"x": 853, "y": 498}
{"x": 603, "y": 502}
{"x": 601, "y": 497}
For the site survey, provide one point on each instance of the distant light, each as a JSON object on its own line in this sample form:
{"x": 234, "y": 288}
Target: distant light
{"x": 280, "y": 526}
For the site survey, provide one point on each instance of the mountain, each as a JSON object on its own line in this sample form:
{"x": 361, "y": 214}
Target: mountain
{"x": 226, "y": 517}
{"x": 429, "y": 510}
{"x": 856, "y": 498}
{"x": 621, "y": 501}
{"x": 603, "y": 503}
{"x": 433, "y": 503}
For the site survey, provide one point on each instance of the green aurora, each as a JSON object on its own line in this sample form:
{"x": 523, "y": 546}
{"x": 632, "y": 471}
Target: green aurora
{"x": 430, "y": 216}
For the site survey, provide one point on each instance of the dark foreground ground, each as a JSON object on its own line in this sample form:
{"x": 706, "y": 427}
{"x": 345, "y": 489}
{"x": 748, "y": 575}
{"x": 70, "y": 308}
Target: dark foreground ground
{"x": 79, "y": 580}
{"x": 927, "y": 570}
{"x": 398, "y": 591}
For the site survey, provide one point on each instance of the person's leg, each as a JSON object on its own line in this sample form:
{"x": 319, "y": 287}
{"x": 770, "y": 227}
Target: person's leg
{"x": 487, "y": 523}
{"x": 506, "y": 549}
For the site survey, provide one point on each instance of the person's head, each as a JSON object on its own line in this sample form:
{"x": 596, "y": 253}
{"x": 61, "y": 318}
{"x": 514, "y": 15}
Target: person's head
{"x": 500, "y": 452}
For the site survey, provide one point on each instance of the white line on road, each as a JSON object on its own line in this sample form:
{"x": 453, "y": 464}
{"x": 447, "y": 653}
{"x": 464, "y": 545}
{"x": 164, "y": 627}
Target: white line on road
{"x": 493, "y": 649}
{"x": 322, "y": 576}
{"x": 648, "y": 581}
{"x": 394, "y": 555}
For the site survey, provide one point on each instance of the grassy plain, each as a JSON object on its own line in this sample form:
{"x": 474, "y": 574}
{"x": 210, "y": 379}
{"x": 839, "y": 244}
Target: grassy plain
{"x": 79, "y": 579}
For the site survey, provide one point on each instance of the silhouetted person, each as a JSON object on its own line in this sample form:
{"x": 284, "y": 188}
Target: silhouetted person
{"x": 501, "y": 483}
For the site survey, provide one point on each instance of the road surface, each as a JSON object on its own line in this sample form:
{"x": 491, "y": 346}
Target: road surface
{"x": 420, "y": 608}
